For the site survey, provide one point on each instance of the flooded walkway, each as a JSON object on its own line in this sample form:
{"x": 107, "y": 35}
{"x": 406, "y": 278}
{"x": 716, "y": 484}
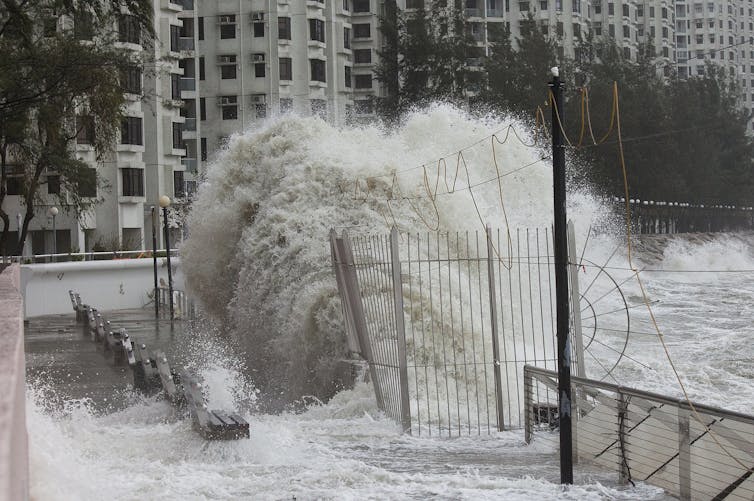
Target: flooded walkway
{"x": 61, "y": 357}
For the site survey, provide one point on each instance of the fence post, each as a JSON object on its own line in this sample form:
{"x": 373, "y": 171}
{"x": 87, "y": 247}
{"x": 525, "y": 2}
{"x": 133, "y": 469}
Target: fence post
{"x": 624, "y": 474}
{"x": 400, "y": 330}
{"x": 684, "y": 455}
{"x": 528, "y": 390}
{"x": 495, "y": 341}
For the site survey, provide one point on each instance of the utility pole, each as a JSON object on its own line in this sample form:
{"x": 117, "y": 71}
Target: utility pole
{"x": 561, "y": 281}
{"x": 155, "y": 224}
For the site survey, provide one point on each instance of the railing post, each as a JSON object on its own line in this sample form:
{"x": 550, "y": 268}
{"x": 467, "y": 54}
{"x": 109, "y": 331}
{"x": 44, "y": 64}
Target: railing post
{"x": 624, "y": 474}
{"x": 528, "y": 404}
{"x": 576, "y": 334}
{"x": 495, "y": 341}
{"x": 684, "y": 455}
{"x": 400, "y": 330}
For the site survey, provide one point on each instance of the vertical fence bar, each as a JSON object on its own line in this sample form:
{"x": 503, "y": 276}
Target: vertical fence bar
{"x": 493, "y": 323}
{"x": 578, "y": 343}
{"x": 624, "y": 473}
{"x": 684, "y": 455}
{"x": 400, "y": 329}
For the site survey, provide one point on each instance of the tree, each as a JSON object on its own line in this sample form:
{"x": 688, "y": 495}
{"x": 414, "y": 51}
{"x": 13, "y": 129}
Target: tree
{"x": 60, "y": 80}
{"x": 516, "y": 77}
{"x": 425, "y": 57}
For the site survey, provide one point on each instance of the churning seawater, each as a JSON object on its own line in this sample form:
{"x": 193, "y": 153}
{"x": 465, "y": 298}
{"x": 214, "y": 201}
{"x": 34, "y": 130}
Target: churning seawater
{"x": 258, "y": 258}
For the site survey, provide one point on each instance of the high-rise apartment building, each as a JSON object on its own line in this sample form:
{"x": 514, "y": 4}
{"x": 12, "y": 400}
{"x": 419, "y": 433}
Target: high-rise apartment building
{"x": 143, "y": 165}
{"x": 225, "y": 65}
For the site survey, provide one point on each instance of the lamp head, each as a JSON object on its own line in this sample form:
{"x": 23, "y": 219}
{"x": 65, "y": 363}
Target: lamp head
{"x": 555, "y": 71}
{"x": 53, "y": 211}
{"x": 164, "y": 201}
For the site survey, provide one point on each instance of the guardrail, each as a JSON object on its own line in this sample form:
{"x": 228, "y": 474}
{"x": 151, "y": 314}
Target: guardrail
{"x": 183, "y": 306}
{"x": 660, "y": 217}
{"x": 691, "y": 450}
{"x": 85, "y": 256}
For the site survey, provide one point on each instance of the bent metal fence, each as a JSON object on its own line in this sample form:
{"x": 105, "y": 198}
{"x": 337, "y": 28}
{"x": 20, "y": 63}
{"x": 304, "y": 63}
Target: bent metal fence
{"x": 698, "y": 452}
{"x": 447, "y": 321}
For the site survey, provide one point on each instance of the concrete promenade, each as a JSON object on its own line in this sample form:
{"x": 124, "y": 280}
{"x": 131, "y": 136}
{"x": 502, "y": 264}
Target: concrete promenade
{"x": 14, "y": 453}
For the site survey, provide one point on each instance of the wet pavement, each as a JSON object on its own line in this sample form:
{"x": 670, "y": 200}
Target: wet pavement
{"x": 62, "y": 357}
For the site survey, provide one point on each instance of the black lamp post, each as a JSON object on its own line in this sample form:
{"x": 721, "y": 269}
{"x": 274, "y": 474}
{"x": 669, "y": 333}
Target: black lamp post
{"x": 53, "y": 212}
{"x": 165, "y": 203}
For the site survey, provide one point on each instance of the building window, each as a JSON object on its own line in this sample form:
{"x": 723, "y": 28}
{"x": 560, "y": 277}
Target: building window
{"x": 346, "y": 38}
{"x": 84, "y": 129}
{"x": 284, "y": 28}
{"x": 14, "y": 185}
{"x": 317, "y": 30}
{"x": 626, "y": 12}
{"x": 129, "y": 30}
{"x": 201, "y": 68}
{"x": 229, "y": 105}
{"x": 175, "y": 86}
{"x": 202, "y": 108}
{"x": 175, "y": 38}
{"x": 363, "y": 81}
{"x": 362, "y": 56}
{"x": 361, "y": 6}
{"x": 286, "y": 105}
{"x": 200, "y": 27}
{"x": 258, "y": 30}
{"x": 83, "y": 26}
{"x": 87, "y": 183}
{"x": 179, "y": 187}
{"x": 611, "y": 9}
{"x": 227, "y": 67}
{"x": 53, "y": 184}
{"x": 347, "y": 71}
{"x": 318, "y": 73}
{"x": 130, "y": 80}
{"x": 286, "y": 68}
{"x": 178, "y": 136}
{"x": 203, "y": 149}
{"x": 319, "y": 108}
{"x": 363, "y": 30}
{"x": 131, "y": 131}
{"x": 133, "y": 182}
{"x": 260, "y": 70}
{"x": 227, "y": 26}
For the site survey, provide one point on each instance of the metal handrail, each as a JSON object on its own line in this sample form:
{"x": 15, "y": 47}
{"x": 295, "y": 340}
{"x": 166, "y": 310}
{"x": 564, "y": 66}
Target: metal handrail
{"x": 648, "y": 395}
{"x": 87, "y": 256}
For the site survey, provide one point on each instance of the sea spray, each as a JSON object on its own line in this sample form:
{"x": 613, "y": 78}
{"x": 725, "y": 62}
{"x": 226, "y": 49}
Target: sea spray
{"x": 258, "y": 255}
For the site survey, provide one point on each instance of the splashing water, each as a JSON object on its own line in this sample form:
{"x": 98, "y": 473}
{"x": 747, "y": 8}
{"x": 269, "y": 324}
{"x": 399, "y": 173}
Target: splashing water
{"x": 258, "y": 253}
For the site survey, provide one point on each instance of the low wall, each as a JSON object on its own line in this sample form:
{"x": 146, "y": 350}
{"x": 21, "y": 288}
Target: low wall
{"x": 109, "y": 285}
{"x": 14, "y": 453}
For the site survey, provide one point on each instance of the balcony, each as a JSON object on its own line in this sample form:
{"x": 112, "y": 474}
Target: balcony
{"x": 494, "y": 12}
{"x": 189, "y": 164}
{"x": 473, "y": 12}
{"x": 187, "y": 84}
{"x": 186, "y": 4}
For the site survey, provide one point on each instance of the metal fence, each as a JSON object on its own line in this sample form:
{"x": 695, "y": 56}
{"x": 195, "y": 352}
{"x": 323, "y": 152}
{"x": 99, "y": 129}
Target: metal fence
{"x": 447, "y": 322}
{"x": 693, "y": 451}
{"x": 183, "y": 305}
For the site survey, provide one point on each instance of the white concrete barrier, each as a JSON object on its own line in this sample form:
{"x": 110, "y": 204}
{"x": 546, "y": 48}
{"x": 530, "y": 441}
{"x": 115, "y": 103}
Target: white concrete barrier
{"x": 14, "y": 449}
{"x": 108, "y": 285}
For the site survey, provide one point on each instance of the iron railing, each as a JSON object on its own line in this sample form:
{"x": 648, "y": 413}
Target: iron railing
{"x": 691, "y": 450}
{"x": 447, "y": 322}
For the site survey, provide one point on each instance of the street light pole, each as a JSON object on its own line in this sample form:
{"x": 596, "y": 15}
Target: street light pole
{"x": 560, "y": 244}
{"x": 165, "y": 203}
{"x": 155, "y": 224}
{"x": 53, "y": 211}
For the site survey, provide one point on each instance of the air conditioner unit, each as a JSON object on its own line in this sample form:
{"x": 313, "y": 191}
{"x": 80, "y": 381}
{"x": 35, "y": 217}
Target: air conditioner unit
{"x": 258, "y": 57}
{"x": 258, "y": 99}
{"x": 226, "y": 19}
{"x": 226, "y": 59}
{"x": 226, "y": 100}
{"x": 257, "y": 16}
